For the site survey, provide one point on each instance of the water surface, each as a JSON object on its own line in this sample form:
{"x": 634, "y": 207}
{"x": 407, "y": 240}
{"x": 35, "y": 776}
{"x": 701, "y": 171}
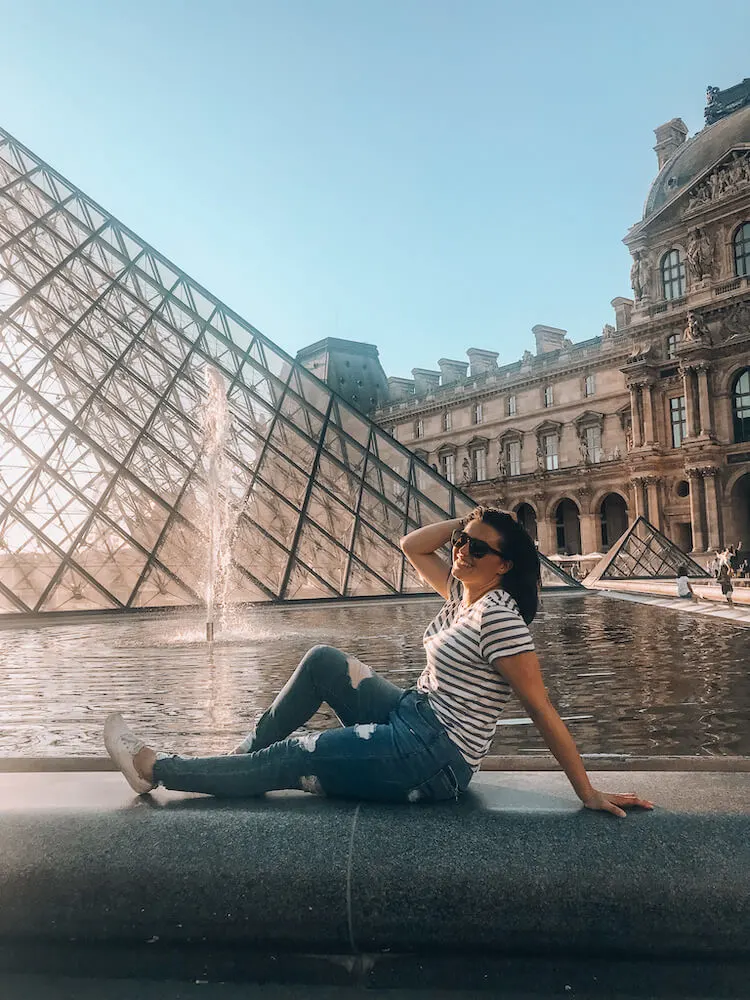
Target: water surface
{"x": 628, "y": 678}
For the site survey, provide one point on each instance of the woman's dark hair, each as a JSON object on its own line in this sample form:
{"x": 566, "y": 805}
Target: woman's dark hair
{"x": 524, "y": 579}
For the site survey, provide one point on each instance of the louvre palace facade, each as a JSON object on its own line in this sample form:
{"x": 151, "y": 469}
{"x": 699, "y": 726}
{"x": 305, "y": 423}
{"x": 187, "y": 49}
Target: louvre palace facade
{"x": 650, "y": 418}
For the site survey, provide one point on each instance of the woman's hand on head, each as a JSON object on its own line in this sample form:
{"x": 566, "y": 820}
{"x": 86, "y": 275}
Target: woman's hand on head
{"x": 613, "y": 801}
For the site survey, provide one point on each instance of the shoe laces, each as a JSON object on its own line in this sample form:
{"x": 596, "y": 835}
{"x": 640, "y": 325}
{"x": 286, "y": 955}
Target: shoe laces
{"x": 131, "y": 742}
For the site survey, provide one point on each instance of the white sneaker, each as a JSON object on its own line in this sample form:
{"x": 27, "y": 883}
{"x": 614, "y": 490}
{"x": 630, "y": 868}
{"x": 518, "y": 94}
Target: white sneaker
{"x": 122, "y": 746}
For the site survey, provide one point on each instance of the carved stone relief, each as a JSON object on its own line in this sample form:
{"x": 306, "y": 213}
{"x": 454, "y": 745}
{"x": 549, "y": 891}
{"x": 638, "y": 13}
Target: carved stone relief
{"x": 728, "y": 179}
{"x": 737, "y": 320}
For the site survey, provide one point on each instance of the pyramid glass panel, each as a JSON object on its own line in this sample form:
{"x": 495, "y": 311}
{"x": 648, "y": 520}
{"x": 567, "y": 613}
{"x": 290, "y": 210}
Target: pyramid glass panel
{"x": 107, "y": 495}
{"x": 644, "y": 553}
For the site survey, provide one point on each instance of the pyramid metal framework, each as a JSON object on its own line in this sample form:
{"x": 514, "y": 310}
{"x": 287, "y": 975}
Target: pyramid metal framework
{"x": 104, "y": 346}
{"x": 643, "y": 553}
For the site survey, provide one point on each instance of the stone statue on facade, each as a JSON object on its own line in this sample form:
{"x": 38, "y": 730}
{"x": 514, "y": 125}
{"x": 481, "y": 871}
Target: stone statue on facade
{"x": 639, "y": 276}
{"x": 540, "y": 462}
{"x": 502, "y": 466}
{"x": 527, "y": 358}
{"x": 583, "y": 446}
{"x": 700, "y": 254}
{"x": 466, "y": 471}
{"x": 695, "y": 330}
{"x": 608, "y": 332}
{"x": 640, "y": 352}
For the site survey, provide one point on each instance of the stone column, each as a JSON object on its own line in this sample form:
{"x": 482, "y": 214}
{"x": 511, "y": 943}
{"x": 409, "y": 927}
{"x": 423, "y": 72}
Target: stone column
{"x": 635, "y": 415}
{"x": 654, "y": 508}
{"x": 639, "y": 491}
{"x": 649, "y": 435}
{"x": 687, "y": 391}
{"x": 697, "y": 510}
{"x": 588, "y": 534}
{"x": 545, "y": 529}
{"x": 713, "y": 517}
{"x": 545, "y": 533}
{"x": 704, "y": 402}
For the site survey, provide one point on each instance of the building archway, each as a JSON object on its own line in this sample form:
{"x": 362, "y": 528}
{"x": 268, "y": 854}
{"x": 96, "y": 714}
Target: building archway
{"x": 526, "y": 516}
{"x": 568, "y": 525}
{"x": 613, "y": 519}
{"x": 739, "y": 500}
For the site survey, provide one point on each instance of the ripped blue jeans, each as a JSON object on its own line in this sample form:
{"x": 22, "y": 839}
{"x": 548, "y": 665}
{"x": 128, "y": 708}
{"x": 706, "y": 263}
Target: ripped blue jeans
{"x": 392, "y": 747}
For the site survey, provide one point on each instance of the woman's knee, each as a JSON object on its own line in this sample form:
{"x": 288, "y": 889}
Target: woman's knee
{"x": 323, "y": 659}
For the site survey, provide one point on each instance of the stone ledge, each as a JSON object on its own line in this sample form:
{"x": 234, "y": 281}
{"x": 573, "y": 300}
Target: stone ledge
{"x": 517, "y": 866}
{"x": 530, "y": 762}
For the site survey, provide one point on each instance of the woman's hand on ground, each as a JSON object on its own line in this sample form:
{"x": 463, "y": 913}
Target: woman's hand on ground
{"x": 612, "y": 801}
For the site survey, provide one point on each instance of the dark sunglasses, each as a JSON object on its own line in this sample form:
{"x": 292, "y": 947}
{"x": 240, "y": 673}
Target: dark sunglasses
{"x": 477, "y": 548}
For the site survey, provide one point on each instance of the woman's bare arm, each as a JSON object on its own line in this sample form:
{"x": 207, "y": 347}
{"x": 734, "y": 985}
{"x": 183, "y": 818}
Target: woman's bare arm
{"x": 420, "y": 547}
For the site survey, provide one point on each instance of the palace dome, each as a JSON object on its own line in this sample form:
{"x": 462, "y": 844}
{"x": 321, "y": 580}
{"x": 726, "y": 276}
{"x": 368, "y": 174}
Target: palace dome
{"x": 696, "y": 155}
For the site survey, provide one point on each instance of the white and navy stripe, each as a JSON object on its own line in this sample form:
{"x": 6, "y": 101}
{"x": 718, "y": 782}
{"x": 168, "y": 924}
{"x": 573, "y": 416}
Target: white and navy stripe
{"x": 466, "y": 693}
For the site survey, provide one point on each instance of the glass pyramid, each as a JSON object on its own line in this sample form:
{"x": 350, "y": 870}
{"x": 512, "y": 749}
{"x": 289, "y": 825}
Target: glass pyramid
{"x": 643, "y": 553}
{"x": 106, "y": 497}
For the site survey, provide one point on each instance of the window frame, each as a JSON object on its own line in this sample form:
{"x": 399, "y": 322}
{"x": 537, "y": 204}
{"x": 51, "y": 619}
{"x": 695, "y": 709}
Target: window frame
{"x": 672, "y": 341}
{"x": 508, "y": 445}
{"x": 586, "y": 393}
{"x": 595, "y": 454}
{"x": 447, "y": 421}
{"x": 477, "y": 413}
{"x": 512, "y": 405}
{"x": 419, "y": 428}
{"x": 551, "y": 458}
{"x": 673, "y": 275}
{"x": 447, "y": 464}
{"x": 549, "y": 397}
{"x": 680, "y": 410}
{"x": 474, "y": 453}
{"x": 741, "y": 250}
{"x": 741, "y": 414}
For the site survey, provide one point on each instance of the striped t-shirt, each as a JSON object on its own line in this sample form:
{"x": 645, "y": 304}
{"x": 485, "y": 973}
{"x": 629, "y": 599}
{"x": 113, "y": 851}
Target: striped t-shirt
{"x": 465, "y": 692}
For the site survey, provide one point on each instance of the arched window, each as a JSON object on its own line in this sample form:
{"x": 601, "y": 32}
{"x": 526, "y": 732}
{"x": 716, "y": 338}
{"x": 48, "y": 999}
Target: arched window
{"x": 741, "y": 406}
{"x": 673, "y": 275}
{"x": 742, "y": 251}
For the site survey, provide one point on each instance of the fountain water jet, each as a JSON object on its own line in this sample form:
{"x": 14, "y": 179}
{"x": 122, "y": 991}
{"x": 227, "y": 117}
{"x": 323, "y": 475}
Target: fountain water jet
{"x": 222, "y": 513}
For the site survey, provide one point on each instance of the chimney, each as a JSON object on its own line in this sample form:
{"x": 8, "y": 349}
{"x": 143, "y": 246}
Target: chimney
{"x": 623, "y": 311}
{"x": 669, "y": 138}
{"x": 548, "y": 338}
{"x": 400, "y": 388}
{"x": 425, "y": 380}
{"x": 452, "y": 371}
{"x": 481, "y": 361}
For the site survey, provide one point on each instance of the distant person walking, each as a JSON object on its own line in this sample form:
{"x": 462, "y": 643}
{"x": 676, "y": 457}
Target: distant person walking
{"x": 725, "y": 581}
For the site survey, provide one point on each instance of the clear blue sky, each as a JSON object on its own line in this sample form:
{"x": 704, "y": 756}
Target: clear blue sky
{"x": 424, "y": 175}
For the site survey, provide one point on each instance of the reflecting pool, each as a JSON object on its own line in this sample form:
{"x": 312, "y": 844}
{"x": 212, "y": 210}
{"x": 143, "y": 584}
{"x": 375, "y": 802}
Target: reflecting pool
{"x": 628, "y": 678}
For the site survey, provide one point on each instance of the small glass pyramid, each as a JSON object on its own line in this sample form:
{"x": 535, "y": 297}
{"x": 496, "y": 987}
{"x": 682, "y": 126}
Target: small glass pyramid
{"x": 104, "y": 490}
{"x": 643, "y": 553}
